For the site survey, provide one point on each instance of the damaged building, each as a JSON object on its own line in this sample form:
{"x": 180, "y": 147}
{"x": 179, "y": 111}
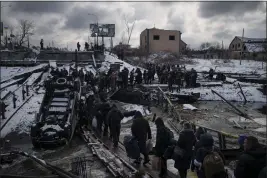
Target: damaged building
{"x": 252, "y": 48}
{"x": 155, "y": 40}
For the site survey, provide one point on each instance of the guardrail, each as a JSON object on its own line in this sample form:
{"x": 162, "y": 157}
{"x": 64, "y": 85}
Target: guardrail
{"x": 222, "y": 139}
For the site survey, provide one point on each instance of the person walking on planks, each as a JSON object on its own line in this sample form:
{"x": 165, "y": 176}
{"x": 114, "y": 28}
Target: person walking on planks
{"x": 14, "y": 100}
{"x": 23, "y": 93}
{"x": 27, "y": 89}
{"x": 2, "y": 109}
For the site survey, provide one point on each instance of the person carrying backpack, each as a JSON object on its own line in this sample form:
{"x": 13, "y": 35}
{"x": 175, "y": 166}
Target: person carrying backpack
{"x": 163, "y": 141}
{"x": 142, "y": 132}
{"x": 252, "y": 160}
{"x": 184, "y": 147}
{"x": 209, "y": 160}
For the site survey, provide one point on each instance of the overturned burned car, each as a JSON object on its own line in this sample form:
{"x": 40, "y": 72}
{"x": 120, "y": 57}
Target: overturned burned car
{"x": 57, "y": 117}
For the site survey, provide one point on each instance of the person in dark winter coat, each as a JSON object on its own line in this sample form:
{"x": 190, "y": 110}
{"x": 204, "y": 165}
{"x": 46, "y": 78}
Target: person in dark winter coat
{"x": 132, "y": 78}
{"x": 211, "y": 73}
{"x": 263, "y": 173}
{"x": 2, "y": 109}
{"x": 114, "y": 118}
{"x": 200, "y": 131}
{"x": 163, "y": 140}
{"x": 141, "y": 131}
{"x": 78, "y": 46}
{"x": 253, "y": 159}
{"x": 206, "y": 142}
{"x": 102, "y": 110}
{"x": 186, "y": 142}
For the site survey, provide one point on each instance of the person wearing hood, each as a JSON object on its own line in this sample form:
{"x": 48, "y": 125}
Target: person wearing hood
{"x": 186, "y": 142}
{"x": 252, "y": 160}
{"x": 141, "y": 131}
{"x": 200, "y": 131}
{"x": 114, "y": 118}
{"x": 163, "y": 141}
{"x": 207, "y": 146}
{"x": 241, "y": 141}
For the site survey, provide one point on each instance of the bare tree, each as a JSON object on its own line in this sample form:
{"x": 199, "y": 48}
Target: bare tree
{"x": 25, "y": 29}
{"x": 129, "y": 29}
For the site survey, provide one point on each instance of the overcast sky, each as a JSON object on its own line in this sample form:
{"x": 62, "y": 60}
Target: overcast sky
{"x": 67, "y": 22}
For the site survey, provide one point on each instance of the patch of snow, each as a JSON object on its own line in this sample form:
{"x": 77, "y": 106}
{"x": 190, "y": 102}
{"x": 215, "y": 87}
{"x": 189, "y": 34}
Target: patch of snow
{"x": 39, "y": 159}
{"x": 233, "y": 66}
{"x": 33, "y": 78}
{"x": 110, "y": 59}
{"x": 261, "y": 121}
{"x": 55, "y": 127}
{"x": 189, "y": 107}
{"x": 24, "y": 118}
{"x": 229, "y": 92}
{"x": 262, "y": 130}
{"x": 90, "y": 68}
{"x": 53, "y": 64}
{"x": 134, "y": 107}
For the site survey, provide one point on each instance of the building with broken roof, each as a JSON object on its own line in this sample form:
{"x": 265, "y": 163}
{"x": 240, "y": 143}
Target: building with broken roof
{"x": 155, "y": 40}
{"x": 252, "y": 48}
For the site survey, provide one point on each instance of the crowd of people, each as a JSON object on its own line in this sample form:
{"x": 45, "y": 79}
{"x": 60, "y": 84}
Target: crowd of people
{"x": 194, "y": 150}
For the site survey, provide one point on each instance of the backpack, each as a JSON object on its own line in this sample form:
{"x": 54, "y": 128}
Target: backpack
{"x": 170, "y": 135}
{"x": 131, "y": 146}
{"x": 213, "y": 164}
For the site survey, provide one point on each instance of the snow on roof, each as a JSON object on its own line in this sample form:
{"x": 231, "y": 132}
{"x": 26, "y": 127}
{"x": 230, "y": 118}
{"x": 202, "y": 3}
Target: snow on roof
{"x": 255, "y": 47}
{"x": 245, "y": 39}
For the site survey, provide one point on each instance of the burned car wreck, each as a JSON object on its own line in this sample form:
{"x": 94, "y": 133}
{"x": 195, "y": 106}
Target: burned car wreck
{"x": 57, "y": 117}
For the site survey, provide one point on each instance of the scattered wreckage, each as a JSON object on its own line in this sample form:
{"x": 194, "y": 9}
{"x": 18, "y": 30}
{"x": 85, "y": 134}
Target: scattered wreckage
{"x": 57, "y": 117}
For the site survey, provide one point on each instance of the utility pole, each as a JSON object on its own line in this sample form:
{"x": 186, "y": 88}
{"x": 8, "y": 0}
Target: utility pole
{"x": 241, "y": 53}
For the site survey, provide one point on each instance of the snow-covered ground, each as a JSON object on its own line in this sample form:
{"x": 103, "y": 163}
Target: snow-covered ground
{"x": 229, "y": 92}
{"x": 9, "y": 72}
{"x": 23, "y": 119}
{"x": 232, "y": 66}
{"x": 110, "y": 59}
{"x": 134, "y": 107}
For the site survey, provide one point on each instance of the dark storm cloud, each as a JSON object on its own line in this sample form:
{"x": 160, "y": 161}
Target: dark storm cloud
{"x": 227, "y": 34}
{"x": 78, "y": 18}
{"x": 211, "y": 9}
{"x": 39, "y": 7}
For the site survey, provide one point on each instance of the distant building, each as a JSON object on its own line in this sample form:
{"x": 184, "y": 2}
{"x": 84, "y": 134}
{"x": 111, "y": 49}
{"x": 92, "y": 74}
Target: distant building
{"x": 211, "y": 53}
{"x": 156, "y": 40}
{"x": 253, "y": 48}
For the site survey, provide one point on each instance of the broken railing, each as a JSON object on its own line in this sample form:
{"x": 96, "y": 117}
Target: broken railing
{"x": 223, "y": 140}
{"x": 166, "y": 103}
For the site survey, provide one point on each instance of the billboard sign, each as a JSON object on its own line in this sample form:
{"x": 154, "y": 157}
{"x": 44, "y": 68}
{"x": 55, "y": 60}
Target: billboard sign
{"x": 105, "y": 30}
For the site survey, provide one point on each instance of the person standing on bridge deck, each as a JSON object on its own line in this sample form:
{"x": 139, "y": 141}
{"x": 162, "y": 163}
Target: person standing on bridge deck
{"x": 78, "y": 46}
{"x": 114, "y": 118}
{"x": 23, "y": 93}
{"x": 164, "y": 138}
{"x": 211, "y": 73}
{"x": 206, "y": 147}
{"x": 2, "y": 109}
{"x": 27, "y": 89}
{"x": 252, "y": 160}
{"x": 141, "y": 131}
{"x": 14, "y": 100}
{"x": 42, "y": 44}
{"x": 132, "y": 78}
{"x": 178, "y": 79}
{"x": 185, "y": 142}
{"x": 200, "y": 131}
